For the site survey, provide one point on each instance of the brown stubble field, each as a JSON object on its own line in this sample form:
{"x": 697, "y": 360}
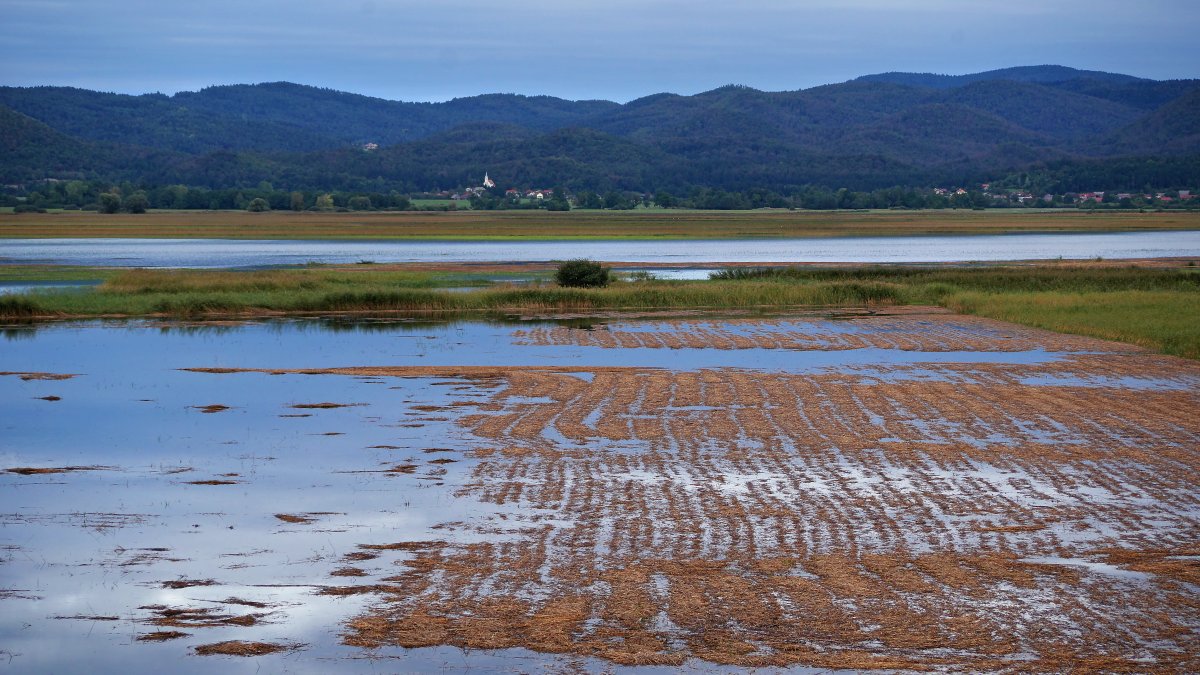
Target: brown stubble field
{"x": 995, "y": 516}
{"x": 578, "y": 224}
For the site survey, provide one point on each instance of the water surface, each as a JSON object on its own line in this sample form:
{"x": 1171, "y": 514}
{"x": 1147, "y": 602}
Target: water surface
{"x": 201, "y": 253}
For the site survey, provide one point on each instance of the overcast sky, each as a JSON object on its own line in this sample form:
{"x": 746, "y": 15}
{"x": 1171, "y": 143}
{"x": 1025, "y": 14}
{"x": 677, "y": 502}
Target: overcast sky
{"x": 613, "y": 49}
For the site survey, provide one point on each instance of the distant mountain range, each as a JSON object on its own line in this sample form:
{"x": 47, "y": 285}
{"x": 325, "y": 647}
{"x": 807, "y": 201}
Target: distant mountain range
{"x": 875, "y": 131}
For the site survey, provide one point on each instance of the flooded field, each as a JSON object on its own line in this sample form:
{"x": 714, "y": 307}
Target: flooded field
{"x": 909, "y": 490}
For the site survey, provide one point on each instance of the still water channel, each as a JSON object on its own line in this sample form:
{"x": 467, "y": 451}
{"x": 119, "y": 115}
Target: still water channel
{"x": 238, "y": 253}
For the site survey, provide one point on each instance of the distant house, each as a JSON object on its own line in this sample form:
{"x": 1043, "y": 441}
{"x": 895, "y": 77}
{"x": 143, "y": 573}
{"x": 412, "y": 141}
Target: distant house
{"x": 1185, "y": 194}
{"x": 369, "y": 147}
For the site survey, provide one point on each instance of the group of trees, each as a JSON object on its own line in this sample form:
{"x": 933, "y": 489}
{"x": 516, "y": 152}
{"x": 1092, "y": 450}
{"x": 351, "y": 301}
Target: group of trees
{"x": 132, "y": 198}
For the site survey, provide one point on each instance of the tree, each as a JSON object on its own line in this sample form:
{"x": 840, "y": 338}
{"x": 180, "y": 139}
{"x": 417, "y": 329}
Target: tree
{"x": 297, "y": 201}
{"x": 359, "y": 203}
{"x": 137, "y": 202}
{"x": 589, "y": 200}
{"x": 558, "y": 201}
{"x": 615, "y": 200}
{"x": 110, "y": 202}
{"x": 258, "y": 205}
{"x": 324, "y": 202}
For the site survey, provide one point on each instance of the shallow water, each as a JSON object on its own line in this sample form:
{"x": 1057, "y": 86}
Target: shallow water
{"x": 100, "y": 543}
{"x": 13, "y": 288}
{"x": 238, "y": 253}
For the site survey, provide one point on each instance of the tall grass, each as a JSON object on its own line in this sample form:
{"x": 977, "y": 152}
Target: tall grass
{"x": 1165, "y": 321}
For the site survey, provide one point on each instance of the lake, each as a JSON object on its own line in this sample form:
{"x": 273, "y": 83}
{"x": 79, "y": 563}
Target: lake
{"x": 201, "y": 253}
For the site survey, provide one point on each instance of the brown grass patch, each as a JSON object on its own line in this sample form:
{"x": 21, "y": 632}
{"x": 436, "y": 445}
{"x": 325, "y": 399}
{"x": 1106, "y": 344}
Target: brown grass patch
{"x": 241, "y": 648}
{"x": 197, "y": 617}
{"x": 212, "y": 408}
{"x": 348, "y": 572}
{"x": 289, "y": 518}
{"x": 27, "y": 376}
{"x": 325, "y": 406}
{"x": 162, "y": 636}
{"x": 39, "y": 470}
{"x": 870, "y": 520}
{"x": 188, "y": 583}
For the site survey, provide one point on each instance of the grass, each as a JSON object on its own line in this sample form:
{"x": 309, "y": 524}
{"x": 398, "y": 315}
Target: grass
{"x": 440, "y": 203}
{"x": 581, "y": 225}
{"x": 1164, "y": 321}
{"x": 1152, "y": 307}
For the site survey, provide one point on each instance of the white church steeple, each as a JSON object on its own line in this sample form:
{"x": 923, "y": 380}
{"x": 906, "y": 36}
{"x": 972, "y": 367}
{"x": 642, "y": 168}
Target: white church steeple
{"x": 488, "y": 182}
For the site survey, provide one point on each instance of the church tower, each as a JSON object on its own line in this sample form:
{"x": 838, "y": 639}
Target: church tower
{"x": 488, "y": 182}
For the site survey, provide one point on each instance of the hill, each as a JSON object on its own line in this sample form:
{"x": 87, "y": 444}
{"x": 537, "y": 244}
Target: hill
{"x": 875, "y": 131}
{"x": 1039, "y": 74}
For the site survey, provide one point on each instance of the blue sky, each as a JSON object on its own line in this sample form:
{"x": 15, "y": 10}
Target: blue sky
{"x": 613, "y": 49}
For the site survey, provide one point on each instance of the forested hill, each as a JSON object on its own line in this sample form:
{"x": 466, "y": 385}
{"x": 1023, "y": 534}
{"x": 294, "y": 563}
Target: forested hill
{"x": 875, "y": 131}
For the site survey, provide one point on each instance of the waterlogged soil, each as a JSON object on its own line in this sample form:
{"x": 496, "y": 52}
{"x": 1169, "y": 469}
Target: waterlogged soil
{"x": 909, "y": 491}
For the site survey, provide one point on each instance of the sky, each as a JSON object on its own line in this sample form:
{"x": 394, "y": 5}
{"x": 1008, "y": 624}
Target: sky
{"x": 577, "y": 49}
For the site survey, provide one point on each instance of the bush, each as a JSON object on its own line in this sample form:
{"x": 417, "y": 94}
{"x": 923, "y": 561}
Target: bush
{"x": 258, "y": 205}
{"x": 582, "y": 273}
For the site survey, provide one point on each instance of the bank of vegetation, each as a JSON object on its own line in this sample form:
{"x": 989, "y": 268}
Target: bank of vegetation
{"x": 1150, "y": 307}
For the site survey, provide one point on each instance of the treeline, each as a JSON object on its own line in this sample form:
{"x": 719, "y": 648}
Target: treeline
{"x": 131, "y": 198}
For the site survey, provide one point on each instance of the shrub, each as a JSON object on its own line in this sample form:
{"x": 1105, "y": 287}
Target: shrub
{"x": 258, "y": 205}
{"x": 582, "y": 273}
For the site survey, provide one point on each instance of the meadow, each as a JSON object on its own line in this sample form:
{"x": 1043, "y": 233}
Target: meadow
{"x": 582, "y": 225}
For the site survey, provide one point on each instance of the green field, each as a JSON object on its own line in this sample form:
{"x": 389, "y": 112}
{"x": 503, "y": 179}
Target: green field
{"x": 440, "y": 204}
{"x": 1155, "y": 307}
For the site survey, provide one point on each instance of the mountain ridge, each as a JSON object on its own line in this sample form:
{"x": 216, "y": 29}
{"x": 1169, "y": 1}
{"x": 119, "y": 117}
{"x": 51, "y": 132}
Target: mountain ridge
{"x": 863, "y": 133}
